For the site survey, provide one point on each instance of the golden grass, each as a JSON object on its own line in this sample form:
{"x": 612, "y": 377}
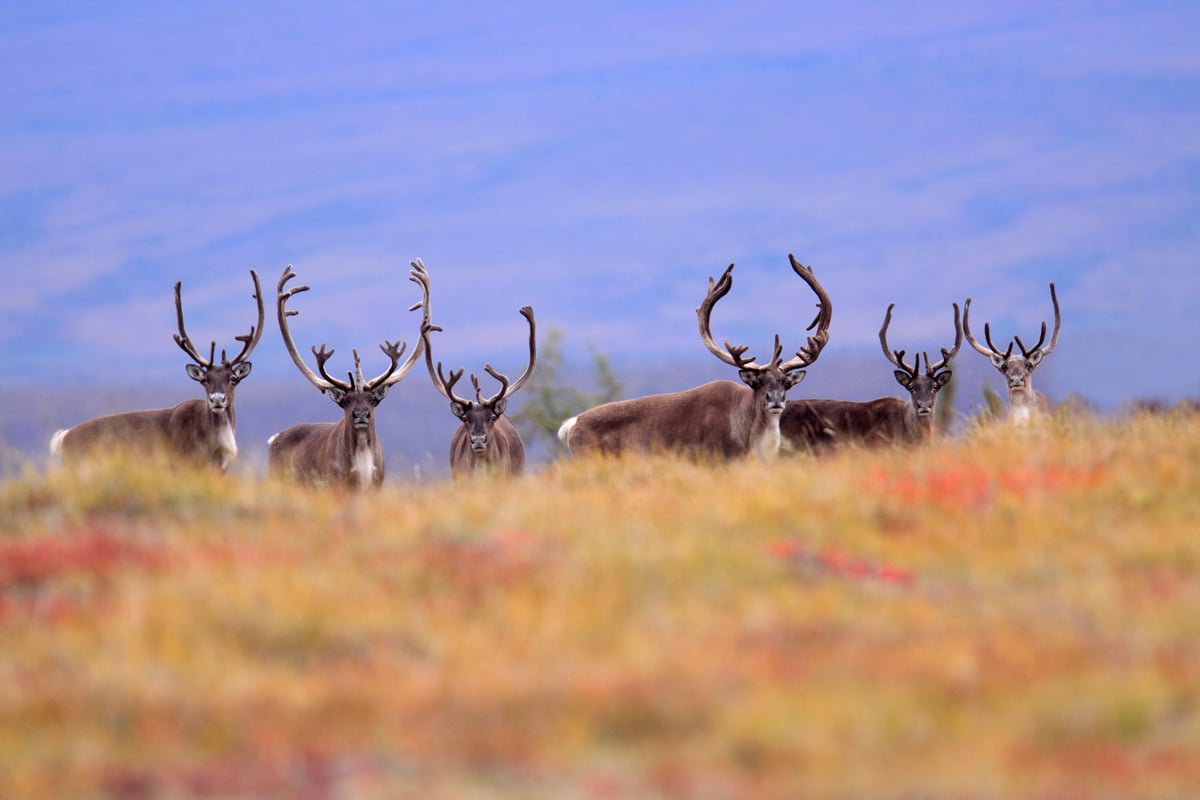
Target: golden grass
{"x": 1012, "y": 614}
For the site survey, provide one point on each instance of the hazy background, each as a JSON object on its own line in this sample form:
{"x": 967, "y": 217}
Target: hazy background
{"x": 597, "y": 161}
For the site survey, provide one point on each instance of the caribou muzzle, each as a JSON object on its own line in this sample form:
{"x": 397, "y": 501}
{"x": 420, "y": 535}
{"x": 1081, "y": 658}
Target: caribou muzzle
{"x": 218, "y": 402}
{"x": 361, "y": 418}
{"x": 479, "y": 443}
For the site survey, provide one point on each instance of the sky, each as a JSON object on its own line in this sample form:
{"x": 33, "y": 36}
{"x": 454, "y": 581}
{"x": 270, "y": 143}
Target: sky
{"x": 599, "y": 161}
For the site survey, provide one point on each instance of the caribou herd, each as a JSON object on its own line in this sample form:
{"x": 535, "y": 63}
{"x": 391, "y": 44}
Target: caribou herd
{"x": 719, "y": 420}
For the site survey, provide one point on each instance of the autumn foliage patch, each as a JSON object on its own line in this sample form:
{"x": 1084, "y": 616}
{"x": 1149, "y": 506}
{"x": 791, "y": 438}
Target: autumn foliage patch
{"x": 1001, "y": 615}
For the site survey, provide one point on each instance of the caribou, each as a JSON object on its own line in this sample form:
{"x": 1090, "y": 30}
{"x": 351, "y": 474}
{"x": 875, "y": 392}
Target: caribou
{"x": 820, "y": 425}
{"x": 717, "y": 420}
{"x": 346, "y": 452}
{"x": 486, "y": 441}
{"x": 1024, "y": 402}
{"x": 199, "y": 431}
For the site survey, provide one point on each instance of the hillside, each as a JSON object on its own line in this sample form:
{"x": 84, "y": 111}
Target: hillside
{"x": 1007, "y": 614}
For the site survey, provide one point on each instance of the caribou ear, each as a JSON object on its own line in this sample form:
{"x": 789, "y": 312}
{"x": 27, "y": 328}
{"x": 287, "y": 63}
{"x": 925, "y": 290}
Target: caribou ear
{"x": 903, "y": 378}
{"x": 241, "y": 370}
{"x": 942, "y": 378}
{"x": 499, "y": 406}
{"x": 998, "y": 360}
{"x": 458, "y": 409}
{"x": 1035, "y": 358}
{"x": 336, "y": 394}
{"x": 750, "y": 377}
{"x": 195, "y": 372}
{"x": 794, "y": 377}
{"x": 379, "y": 392}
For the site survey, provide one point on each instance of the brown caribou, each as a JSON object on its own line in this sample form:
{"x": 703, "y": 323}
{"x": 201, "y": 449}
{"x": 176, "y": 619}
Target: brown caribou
{"x": 1024, "y": 402}
{"x": 720, "y": 419}
{"x": 200, "y": 431}
{"x": 345, "y": 452}
{"x": 487, "y": 440}
{"x": 819, "y": 425}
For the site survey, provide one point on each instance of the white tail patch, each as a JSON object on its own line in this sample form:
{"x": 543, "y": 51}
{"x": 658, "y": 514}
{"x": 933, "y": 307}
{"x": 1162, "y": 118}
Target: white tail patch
{"x": 564, "y": 431}
{"x": 56, "y": 441}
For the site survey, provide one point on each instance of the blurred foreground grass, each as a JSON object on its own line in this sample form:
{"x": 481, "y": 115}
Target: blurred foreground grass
{"x": 1012, "y": 614}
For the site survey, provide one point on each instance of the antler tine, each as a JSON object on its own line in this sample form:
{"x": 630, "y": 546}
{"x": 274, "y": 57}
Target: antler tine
{"x": 1057, "y": 321}
{"x": 735, "y": 351}
{"x": 434, "y": 376}
{"x": 448, "y": 385}
{"x": 987, "y": 334}
{"x": 182, "y": 339}
{"x": 987, "y": 331}
{"x": 816, "y": 343}
{"x": 1053, "y": 337}
{"x": 323, "y": 356}
{"x": 824, "y": 306}
{"x": 419, "y": 276}
{"x": 947, "y": 355}
{"x": 393, "y": 350}
{"x": 504, "y": 387}
{"x": 282, "y": 313}
{"x": 716, "y": 290}
{"x": 478, "y": 391}
{"x": 249, "y": 340}
{"x": 897, "y": 356}
{"x": 775, "y": 353}
{"x": 527, "y": 313}
{"x": 356, "y": 378}
{"x": 1026, "y": 352}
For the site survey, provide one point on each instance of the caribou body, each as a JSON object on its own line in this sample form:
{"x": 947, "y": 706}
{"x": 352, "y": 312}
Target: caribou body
{"x": 346, "y": 452}
{"x": 486, "y": 440}
{"x": 1024, "y": 402}
{"x": 719, "y": 419}
{"x": 200, "y": 431}
{"x": 818, "y": 425}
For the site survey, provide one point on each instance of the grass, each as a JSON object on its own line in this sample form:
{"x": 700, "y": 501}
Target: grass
{"x": 1009, "y": 614}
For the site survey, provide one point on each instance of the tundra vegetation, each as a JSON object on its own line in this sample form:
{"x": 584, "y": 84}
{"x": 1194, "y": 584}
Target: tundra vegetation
{"x": 1007, "y": 613}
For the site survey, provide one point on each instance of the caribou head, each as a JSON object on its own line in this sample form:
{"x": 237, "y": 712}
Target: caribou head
{"x": 922, "y": 387}
{"x": 219, "y": 378}
{"x": 1017, "y": 369}
{"x": 479, "y": 417}
{"x": 347, "y": 451}
{"x": 769, "y": 382}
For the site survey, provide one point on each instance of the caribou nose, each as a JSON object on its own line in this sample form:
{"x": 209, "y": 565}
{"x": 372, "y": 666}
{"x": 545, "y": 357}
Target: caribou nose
{"x": 362, "y": 417}
{"x": 217, "y": 401}
{"x": 479, "y": 443}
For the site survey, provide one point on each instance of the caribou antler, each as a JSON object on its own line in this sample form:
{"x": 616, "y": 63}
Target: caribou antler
{"x": 1037, "y": 348}
{"x": 325, "y": 381}
{"x": 419, "y": 276}
{"x": 1033, "y": 354}
{"x": 816, "y": 343}
{"x": 281, "y": 298}
{"x": 931, "y": 369}
{"x": 897, "y": 356}
{"x": 947, "y": 355}
{"x": 248, "y": 340}
{"x": 182, "y": 339}
{"x": 734, "y": 354}
{"x": 444, "y": 385}
{"x": 506, "y": 389}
